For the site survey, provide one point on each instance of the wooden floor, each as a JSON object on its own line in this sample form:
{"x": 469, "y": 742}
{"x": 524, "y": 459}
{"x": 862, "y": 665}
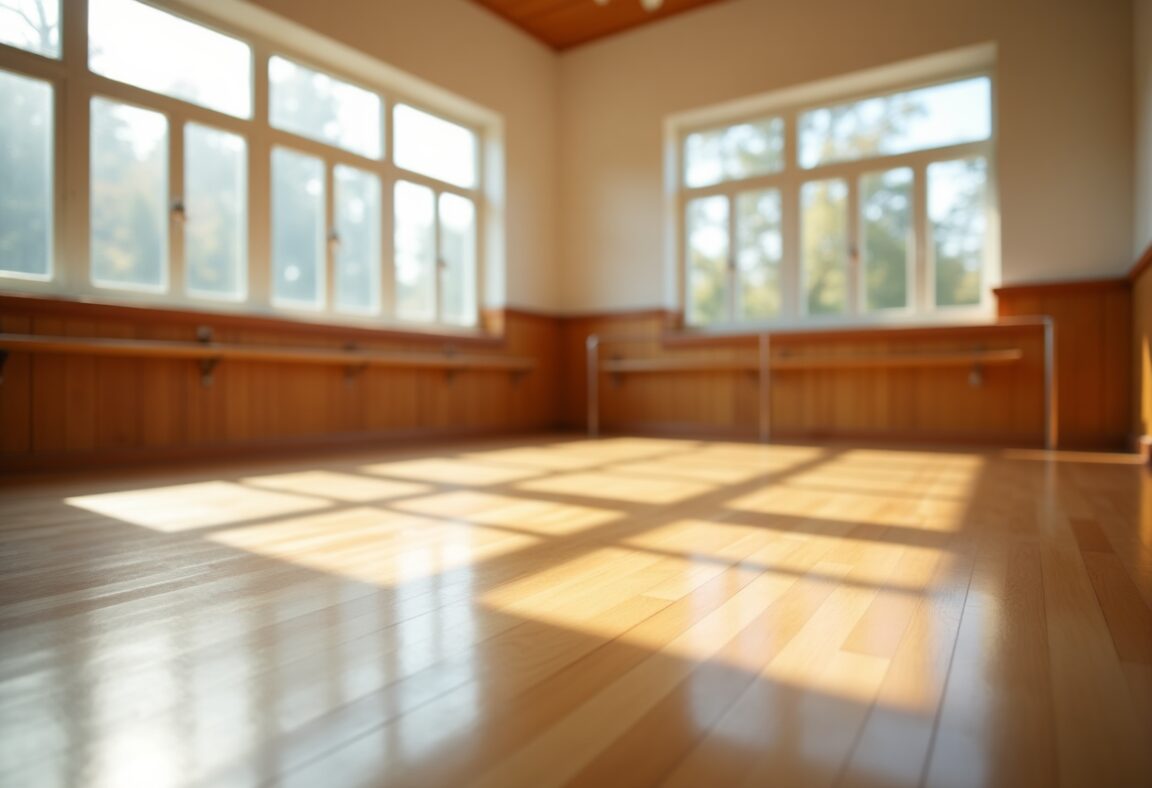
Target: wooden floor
{"x": 558, "y": 611}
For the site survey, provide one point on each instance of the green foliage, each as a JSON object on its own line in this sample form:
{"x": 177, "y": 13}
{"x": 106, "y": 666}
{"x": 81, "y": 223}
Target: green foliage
{"x": 215, "y": 232}
{"x": 824, "y": 241}
{"x": 129, "y": 216}
{"x": 958, "y": 231}
{"x": 26, "y": 164}
{"x": 886, "y": 208}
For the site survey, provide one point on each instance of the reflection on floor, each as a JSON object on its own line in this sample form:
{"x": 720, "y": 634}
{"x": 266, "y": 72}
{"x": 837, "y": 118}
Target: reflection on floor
{"x": 556, "y": 611}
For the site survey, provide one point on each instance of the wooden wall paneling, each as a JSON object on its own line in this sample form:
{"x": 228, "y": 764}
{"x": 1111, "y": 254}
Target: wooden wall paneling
{"x": 76, "y": 407}
{"x": 205, "y": 407}
{"x": 161, "y": 392}
{"x": 349, "y": 396}
{"x": 931, "y": 404}
{"x": 574, "y": 333}
{"x": 16, "y": 393}
{"x": 476, "y": 400}
{"x": 1141, "y": 358}
{"x": 239, "y": 392}
{"x": 534, "y": 399}
{"x": 1115, "y": 353}
{"x": 117, "y": 392}
{"x": 433, "y": 404}
{"x": 1093, "y": 340}
{"x": 149, "y": 405}
{"x": 49, "y": 393}
{"x": 393, "y": 401}
{"x": 81, "y": 410}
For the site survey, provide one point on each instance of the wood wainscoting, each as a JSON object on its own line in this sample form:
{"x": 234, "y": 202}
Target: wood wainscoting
{"x": 1093, "y": 352}
{"x": 1001, "y": 404}
{"x": 76, "y": 410}
{"x": 1141, "y": 279}
{"x": 83, "y": 410}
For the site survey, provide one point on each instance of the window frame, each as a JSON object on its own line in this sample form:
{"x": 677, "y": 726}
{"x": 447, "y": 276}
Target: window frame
{"x": 74, "y": 85}
{"x": 790, "y": 105}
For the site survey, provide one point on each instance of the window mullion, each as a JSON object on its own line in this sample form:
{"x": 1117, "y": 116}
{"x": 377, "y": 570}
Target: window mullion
{"x": 332, "y": 239}
{"x": 438, "y": 264}
{"x": 789, "y": 219}
{"x": 388, "y": 240}
{"x": 854, "y": 298}
{"x": 259, "y": 268}
{"x": 73, "y": 155}
{"x": 177, "y": 203}
{"x": 732, "y": 274}
{"x": 922, "y": 282}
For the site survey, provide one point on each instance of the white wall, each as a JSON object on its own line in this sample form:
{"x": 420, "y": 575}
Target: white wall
{"x": 1065, "y": 135}
{"x": 465, "y": 49}
{"x": 1143, "y": 44}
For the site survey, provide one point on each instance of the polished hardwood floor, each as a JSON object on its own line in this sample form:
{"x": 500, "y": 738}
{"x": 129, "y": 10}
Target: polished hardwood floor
{"x": 620, "y": 612}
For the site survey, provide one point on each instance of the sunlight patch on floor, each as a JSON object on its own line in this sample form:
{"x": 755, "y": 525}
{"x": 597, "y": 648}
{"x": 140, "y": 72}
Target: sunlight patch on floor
{"x": 607, "y": 450}
{"x": 184, "y": 507}
{"x": 524, "y": 514}
{"x": 348, "y": 487}
{"x": 373, "y": 545}
{"x": 701, "y": 538}
{"x": 449, "y": 471}
{"x": 690, "y": 468}
{"x": 543, "y": 458}
{"x": 614, "y": 487}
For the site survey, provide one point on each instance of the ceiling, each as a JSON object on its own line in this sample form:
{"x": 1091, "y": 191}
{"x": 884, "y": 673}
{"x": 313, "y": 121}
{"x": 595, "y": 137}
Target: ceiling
{"x": 563, "y": 24}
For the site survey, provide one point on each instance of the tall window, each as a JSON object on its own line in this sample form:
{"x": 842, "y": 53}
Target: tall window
{"x": 859, "y": 209}
{"x": 365, "y": 220}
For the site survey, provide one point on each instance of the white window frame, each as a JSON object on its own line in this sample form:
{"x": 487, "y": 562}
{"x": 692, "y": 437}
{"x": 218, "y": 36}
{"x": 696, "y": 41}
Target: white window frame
{"x": 790, "y": 104}
{"x": 267, "y": 34}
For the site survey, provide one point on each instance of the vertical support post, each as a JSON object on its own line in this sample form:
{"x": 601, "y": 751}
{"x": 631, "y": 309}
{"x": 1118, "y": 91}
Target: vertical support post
{"x": 592, "y": 345}
{"x": 765, "y": 379}
{"x": 1050, "y": 422}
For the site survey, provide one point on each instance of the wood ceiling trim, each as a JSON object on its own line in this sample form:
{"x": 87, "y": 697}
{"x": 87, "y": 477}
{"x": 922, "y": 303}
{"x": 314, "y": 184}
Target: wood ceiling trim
{"x": 563, "y": 24}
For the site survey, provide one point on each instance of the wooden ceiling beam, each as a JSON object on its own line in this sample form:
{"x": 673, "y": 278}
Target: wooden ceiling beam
{"x": 563, "y": 24}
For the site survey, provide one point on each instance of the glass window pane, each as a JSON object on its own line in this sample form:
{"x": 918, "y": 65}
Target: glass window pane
{"x": 886, "y": 223}
{"x": 415, "y": 252}
{"x": 297, "y": 230}
{"x": 739, "y": 151}
{"x": 759, "y": 253}
{"x": 898, "y": 123}
{"x": 216, "y": 210}
{"x": 129, "y": 200}
{"x": 152, "y": 49}
{"x": 26, "y": 134}
{"x": 957, "y": 194}
{"x": 824, "y": 246}
{"x": 33, "y": 25}
{"x": 434, "y": 147}
{"x": 706, "y": 225}
{"x": 323, "y": 108}
{"x": 358, "y": 228}
{"x": 458, "y": 251}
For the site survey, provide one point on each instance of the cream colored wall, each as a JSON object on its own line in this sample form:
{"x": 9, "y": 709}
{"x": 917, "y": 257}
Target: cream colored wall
{"x": 465, "y": 49}
{"x": 1143, "y": 44}
{"x": 1065, "y": 122}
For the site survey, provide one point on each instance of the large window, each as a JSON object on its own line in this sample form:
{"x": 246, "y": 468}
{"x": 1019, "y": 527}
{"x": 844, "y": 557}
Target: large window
{"x": 869, "y": 208}
{"x": 226, "y": 171}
